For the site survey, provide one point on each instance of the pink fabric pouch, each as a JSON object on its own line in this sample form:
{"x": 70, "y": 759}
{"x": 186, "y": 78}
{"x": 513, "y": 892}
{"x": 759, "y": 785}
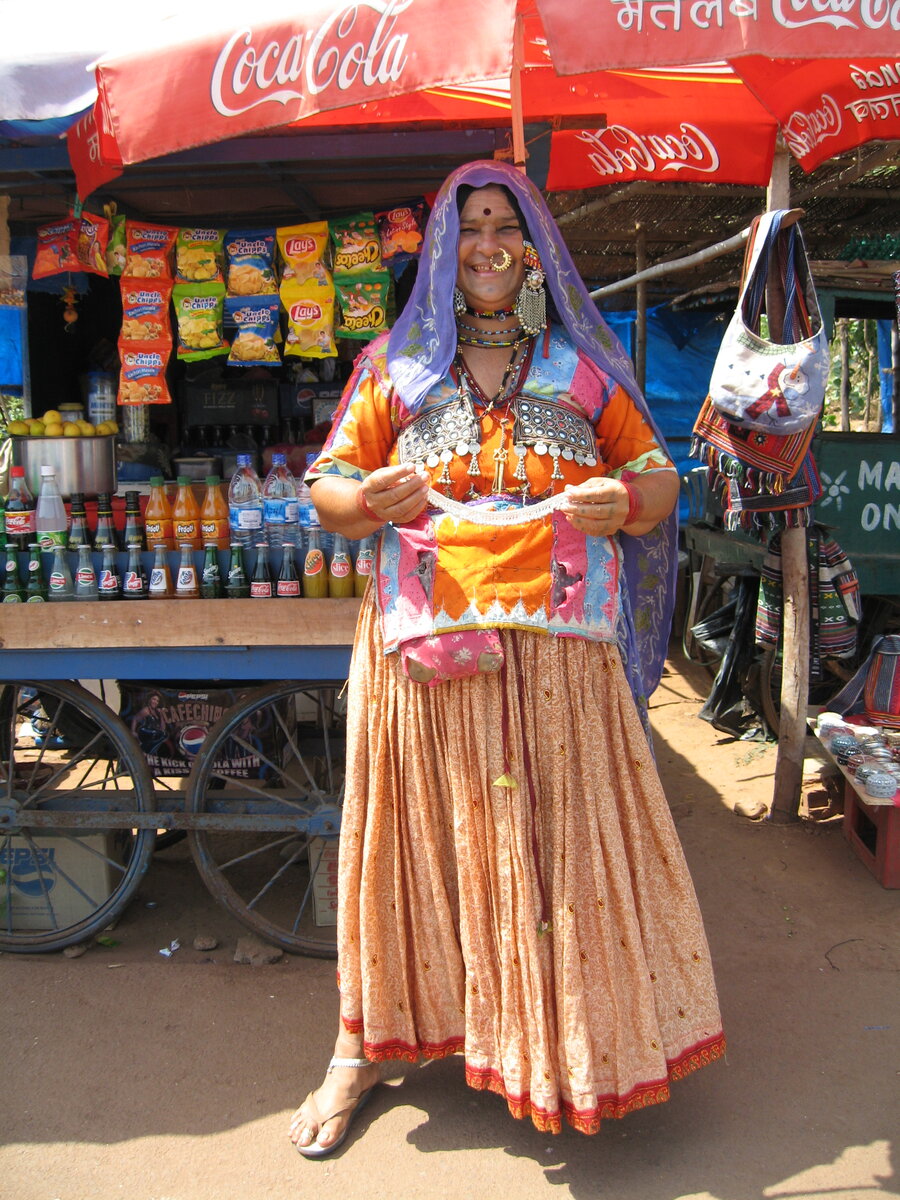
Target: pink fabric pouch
{"x": 433, "y": 660}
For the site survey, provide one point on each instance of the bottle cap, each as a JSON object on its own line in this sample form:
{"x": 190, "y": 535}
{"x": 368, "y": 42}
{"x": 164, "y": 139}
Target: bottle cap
{"x": 213, "y": 480}
{"x": 47, "y": 470}
{"x": 17, "y": 471}
{"x": 279, "y": 459}
{"x": 243, "y": 460}
{"x": 183, "y": 480}
{"x": 156, "y": 481}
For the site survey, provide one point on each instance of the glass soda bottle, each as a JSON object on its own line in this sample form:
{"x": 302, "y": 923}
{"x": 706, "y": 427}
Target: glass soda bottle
{"x": 245, "y": 504}
{"x": 214, "y": 515}
{"x": 51, "y": 522}
{"x": 85, "y": 576}
{"x": 211, "y": 579}
{"x": 109, "y": 585}
{"x": 187, "y": 586}
{"x": 35, "y": 592}
{"x": 340, "y": 569}
{"x": 315, "y": 576}
{"x": 158, "y": 516}
{"x": 19, "y": 510}
{"x": 237, "y": 585}
{"x": 288, "y": 583}
{"x": 160, "y": 586}
{"x": 134, "y": 585}
{"x": 186, "y": 516}
{"x": 78, "y": 525}
{"x": 106, "y": 526}
{"x": 13, "y": 592}
{"x": 261, "y": 583}
{"x": 280, "y": 504}
{"x": 134, "y": 529}
{"x": 61, "y": 585}
{"x": 363, "y": 565}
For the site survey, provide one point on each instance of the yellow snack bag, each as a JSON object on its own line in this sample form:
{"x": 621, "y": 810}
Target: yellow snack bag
{"x": 310, "y": 319}
{"x": 303, "y": 250}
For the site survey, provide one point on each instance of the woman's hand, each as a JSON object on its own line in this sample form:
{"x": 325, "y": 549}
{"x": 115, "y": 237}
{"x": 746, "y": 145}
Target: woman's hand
{"x": 395, "y": 494}
{"x": 597, "y": 507}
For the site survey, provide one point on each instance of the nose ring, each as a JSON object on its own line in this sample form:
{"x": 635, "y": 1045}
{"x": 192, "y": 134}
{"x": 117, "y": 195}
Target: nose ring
{"x": 505, "y": 261}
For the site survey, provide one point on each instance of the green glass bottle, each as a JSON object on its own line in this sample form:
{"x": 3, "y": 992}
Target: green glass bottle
{"x": 211, "y": 579}
{"x": 13, "y": 592}
{"x": 35, "y": 589}
{"x": 237, "y": 586}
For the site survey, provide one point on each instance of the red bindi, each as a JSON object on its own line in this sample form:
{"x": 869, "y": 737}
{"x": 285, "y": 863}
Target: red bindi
{"x": 487, "y": 212}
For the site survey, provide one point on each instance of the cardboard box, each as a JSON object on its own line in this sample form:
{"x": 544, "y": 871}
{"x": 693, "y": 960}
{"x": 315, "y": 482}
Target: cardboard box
{"x": 75, "y": 870}
{"x": 231, "y": 403}
{"x": 323, "y": 859}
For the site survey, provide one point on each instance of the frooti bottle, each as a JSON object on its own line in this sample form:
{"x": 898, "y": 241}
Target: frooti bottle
{"x": 160, "y": 586}
{"x": 78, "y": 526}
{"x": 35, "y": 591}
{"x": 61, "y": 585}
{"x": 288, "y": 583}
{"x": 211, "y": 579}
{"x": 214, "y": 515}
{"x": 19, "y": 511}
{"x": 245, "y": 504}
{"x": 315, "y": 576}
{"x": 261, "y": 584}
{"x": 340, "y": 569}
{"x": 105, "y": 533}
{"x": 280, "y": 504}
{"x": 109, "y": 584}
{"x": 85, "y": 576}
{"x": 187, "y": 586}
{"x": 158, "y": 516}
{"x": 134, "y": 584}
{"x": 363, "y": 565}
{"x": 237, "y": 585}
{"x": 13, "y": 592}
{"x": 186, "y": 515}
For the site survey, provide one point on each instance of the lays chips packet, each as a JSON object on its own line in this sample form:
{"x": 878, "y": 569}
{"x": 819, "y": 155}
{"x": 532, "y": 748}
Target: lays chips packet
{"x": 357, "y": 246}
{"x": 364, "y": 304}
{"x": 303, "y": 250}
{"x": 310, "y": 319}
{"x": 256, "y": 323}
{"x": 199, "y": 317}
{"x": 401, "y": 231}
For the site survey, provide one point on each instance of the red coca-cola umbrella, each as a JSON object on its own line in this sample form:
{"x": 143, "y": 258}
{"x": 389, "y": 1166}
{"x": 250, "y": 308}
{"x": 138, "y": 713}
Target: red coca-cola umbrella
{"x": 616, "y": 75}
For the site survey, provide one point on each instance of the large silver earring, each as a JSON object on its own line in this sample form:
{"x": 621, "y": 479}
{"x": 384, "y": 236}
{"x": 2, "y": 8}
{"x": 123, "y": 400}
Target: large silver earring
{"x": 531, "y": 303}
{"x": 459, "y": 302}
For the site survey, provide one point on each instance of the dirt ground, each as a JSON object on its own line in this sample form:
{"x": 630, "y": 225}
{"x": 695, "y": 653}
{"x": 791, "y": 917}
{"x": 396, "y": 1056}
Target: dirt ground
{"x": 130, "y": 1075}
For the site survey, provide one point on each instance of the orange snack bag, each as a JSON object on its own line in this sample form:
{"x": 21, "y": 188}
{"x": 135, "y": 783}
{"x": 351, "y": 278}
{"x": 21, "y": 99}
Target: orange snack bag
{"x": 142, "y": 379}
{"x": 400, "y": 230}
{"x": 145, "y": 310}
{"x": 148, "y": 250}
{"x": 56, "y": 249}
{"x": 91, "y": 237}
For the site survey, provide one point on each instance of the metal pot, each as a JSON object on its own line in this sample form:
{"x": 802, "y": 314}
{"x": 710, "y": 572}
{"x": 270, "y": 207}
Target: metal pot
{"x": 83, "y": 464}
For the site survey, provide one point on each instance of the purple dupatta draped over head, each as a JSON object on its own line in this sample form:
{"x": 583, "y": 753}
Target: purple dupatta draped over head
{"x": 421, "y": 346}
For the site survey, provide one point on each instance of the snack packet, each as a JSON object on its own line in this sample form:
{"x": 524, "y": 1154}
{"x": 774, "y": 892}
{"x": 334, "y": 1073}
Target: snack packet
{"x": 115, "y": 245}
{"x": 199, "y": 255}
{"x": 199, "y": 314}
{"x": 256, "y": 321}
{"x": 364, "y": 304}
{"x": 401, "y": 232}
{"x": 250, "y": 262}
{"x": 142, "y": 378}
{"x": 303, "y": 250}
{"x": 56, "y": 249}
{"x": 310, "y": 319}
{"x": 148, "y": 250}
{"x": 357, "y": 247}
{"x": 145, "y": 310}
{"x": 91, "y": 238}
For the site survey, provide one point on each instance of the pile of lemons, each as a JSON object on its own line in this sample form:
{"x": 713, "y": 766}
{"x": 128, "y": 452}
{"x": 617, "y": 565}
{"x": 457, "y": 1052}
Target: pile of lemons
{"x": 51, "y": 424}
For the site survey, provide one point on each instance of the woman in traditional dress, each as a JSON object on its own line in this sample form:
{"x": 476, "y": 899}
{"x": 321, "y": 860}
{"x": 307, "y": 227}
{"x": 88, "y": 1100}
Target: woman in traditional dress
{"x": 511, "y": 886}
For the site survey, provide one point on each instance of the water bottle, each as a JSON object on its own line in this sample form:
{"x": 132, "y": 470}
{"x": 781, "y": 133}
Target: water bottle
{"x": 245, "y": 505}
{"x": 280, "y": 508}
{"x": 51, "y": 522}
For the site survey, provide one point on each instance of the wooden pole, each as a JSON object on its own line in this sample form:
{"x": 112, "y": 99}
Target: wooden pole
{"x": 844, "y": 334}
{"x": 640, "y": 339}
{"x": 795, "y": 641}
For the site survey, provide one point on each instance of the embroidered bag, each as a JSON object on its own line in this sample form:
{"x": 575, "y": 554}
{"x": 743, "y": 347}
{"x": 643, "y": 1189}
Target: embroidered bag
{"x": 881, "y": 695}
{"x": 760, "y": 383}
{"x": 435, "y": 659}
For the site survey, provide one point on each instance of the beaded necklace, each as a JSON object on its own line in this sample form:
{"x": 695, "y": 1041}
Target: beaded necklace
{"x": 497, "y": 313}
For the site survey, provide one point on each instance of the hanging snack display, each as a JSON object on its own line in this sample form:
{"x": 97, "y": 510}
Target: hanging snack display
{"x": 256, "y": 327}
{"x": 199, "y": 256}
{"x": 250, "y": 262}
{"x": 115, "y": 246}
{"x": 199, "y": 316}
{"x": 401, "y": 231}
{"x": 364, "y": 304}
{"x": 357, "y": 246}
{"x": 145, "y": 309}
{"x": 144, "y": 360}
{"x": 304, "y": 250}
{"x": 310, "y": 319}
{"x": 148, "y": 250}
{"x": 74, "y": 244}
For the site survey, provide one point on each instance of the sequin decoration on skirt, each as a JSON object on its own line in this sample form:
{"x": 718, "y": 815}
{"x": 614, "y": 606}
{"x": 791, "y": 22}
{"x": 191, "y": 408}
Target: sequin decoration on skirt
{"x": 446, "y": 876}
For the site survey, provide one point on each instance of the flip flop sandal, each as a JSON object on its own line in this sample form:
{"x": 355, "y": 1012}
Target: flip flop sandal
{"x": 314, "y": 1150}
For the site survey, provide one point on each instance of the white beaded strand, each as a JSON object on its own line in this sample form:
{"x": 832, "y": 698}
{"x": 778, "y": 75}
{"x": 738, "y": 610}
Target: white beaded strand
{"x": 478, "y": 515}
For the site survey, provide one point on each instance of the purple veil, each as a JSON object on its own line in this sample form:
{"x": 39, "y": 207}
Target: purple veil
{"x": 421, "y": 346}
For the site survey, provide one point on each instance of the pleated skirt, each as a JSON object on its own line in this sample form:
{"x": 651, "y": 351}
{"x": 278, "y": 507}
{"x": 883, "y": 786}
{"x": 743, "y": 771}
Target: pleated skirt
{"x": 511, "y": 885}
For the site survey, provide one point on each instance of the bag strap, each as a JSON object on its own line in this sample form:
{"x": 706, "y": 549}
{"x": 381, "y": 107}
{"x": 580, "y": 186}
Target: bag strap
{"x": 758, "y": 264}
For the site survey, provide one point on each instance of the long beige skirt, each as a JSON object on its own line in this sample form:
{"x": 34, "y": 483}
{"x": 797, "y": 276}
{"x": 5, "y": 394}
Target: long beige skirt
{"x": 544, "y": 926}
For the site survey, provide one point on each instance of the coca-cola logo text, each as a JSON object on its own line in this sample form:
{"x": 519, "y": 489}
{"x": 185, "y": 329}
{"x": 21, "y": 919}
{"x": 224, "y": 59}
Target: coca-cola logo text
{"x": 839, "y": 14}
{"x": 618, "y": 150}
{"x": 803, "y": 131}
{"x": 345, "y": 49}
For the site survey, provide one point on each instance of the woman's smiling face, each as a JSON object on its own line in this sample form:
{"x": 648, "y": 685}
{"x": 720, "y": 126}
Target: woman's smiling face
{"x": 488, "y": 226}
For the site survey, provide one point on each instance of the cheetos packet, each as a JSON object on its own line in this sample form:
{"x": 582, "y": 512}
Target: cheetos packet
{"x": 303, "y": 252}
{"x": 357, "y": 246}
{"x": 255, "y": 319}
{"x": 148, "y": 250}
{"x": 310, "y": 319}
{"x": 363, "y": 304}
{"x": 250, "y": 262}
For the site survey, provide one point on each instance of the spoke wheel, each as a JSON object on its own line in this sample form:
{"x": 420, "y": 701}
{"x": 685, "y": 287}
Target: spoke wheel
{"x": 62, "y": 749}
{"x": 278, "y": 758}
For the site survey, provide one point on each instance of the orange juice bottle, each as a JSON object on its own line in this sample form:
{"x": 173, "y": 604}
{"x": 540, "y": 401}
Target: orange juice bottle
{"x": 214, "y": 515}
{"x": 186, "y": 515}
{"x": 158, "y": 516}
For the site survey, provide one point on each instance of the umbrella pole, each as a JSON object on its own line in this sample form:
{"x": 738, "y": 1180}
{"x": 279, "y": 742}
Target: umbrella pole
{"x": 795, "y": 619}
{"x": 515, "y": 95}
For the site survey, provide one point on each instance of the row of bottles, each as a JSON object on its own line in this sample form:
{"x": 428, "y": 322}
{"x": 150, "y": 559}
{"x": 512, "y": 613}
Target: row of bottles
{"x": 338, "y": 577}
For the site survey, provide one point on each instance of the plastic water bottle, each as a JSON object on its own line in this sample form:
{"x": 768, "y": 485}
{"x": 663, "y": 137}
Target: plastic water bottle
{"x": 245, "y": 504}
{"x": 306, "y": 513}
{"x": 280, "y": 509}
{"x": 51, "y": 521}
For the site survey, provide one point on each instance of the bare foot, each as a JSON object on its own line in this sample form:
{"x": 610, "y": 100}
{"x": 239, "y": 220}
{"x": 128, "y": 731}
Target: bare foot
{"x": 341, "y": 1086}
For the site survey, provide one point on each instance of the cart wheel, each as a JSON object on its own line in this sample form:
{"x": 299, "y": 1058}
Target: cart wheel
{"x": 62, "y": 750}
{"x": 821, "y": 691}
{"x": 274, "y": 766}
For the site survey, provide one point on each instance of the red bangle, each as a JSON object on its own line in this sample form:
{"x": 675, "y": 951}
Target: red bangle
{"x": 635, "y": 503}
{"x": 364, "y": 507}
